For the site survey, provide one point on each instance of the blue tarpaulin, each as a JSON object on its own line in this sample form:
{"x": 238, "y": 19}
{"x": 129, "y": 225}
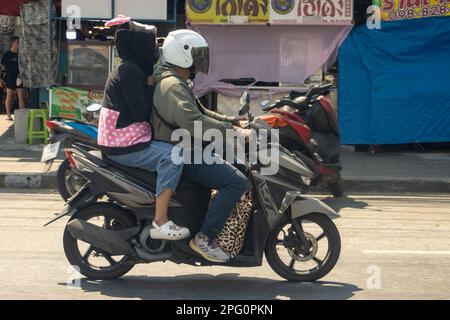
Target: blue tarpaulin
{"x": 394, "y": 83}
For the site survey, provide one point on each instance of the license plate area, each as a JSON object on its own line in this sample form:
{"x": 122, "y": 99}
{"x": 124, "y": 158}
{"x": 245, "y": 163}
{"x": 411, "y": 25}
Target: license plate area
{"x": 50, "y": 151}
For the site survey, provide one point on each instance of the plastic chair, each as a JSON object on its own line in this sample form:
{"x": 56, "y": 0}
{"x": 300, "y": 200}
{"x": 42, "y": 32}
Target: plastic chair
{"x": 42, "y": 115}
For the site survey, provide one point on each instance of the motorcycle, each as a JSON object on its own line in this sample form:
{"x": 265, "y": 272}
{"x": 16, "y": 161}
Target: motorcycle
{"x": 308, "y": 128}
{"x": 105, "y": 239}
{"x": 67, "y": 131}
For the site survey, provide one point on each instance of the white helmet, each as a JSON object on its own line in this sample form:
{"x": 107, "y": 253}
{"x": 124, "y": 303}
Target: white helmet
{"x": 186, "y": 49}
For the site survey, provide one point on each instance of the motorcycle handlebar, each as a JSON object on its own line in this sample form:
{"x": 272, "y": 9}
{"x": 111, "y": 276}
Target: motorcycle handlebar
{"x": 317, "y": 90}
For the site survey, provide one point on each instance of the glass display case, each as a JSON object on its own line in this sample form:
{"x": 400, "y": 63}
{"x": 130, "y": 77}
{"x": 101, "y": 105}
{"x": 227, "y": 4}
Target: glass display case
{"x": 89, "y": 64}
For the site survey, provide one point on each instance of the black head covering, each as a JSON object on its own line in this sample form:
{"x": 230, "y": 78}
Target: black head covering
{"x": 137, "y": 43}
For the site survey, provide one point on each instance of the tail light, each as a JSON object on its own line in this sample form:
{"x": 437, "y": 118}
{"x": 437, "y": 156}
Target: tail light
{"x": 51, "y": 125}
{"x": 70, "y": 158}
{"x": 274, "y": 121}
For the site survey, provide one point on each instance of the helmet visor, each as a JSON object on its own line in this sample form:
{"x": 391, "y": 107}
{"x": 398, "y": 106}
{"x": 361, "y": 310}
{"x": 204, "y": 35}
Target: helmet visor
{"x": 200, "y": 56}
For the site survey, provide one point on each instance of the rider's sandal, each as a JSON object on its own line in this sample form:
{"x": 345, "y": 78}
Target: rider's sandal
{"x": 168, "y": 231}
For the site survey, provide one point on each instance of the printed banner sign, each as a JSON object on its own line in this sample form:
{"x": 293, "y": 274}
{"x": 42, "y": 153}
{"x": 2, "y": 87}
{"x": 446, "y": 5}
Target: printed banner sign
{"x": 227, "y": 11}
{"x": 71, "y": 103}
{"x": 270, "y": 11}
{"x": 311, "y": 12}
{"x": 392, "y": 10}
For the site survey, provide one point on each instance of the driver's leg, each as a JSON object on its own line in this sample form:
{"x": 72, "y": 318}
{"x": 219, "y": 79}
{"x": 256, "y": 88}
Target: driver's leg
{"x": 231, "y": 185}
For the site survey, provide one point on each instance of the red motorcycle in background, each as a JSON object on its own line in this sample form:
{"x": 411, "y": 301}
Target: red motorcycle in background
{"x": 308, "y": 128}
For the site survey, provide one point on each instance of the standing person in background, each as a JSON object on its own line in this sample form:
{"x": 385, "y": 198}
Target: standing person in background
{"x": 12, "y": 79}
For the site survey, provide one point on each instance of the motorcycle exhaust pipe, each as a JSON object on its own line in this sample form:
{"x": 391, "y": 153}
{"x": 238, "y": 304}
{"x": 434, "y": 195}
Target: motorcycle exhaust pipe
{"x": 112, "y": 241}
{"x": 143, "y": 254}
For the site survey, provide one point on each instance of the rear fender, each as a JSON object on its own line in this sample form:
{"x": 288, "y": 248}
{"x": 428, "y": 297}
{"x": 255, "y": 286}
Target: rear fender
{"x": 59, "y": 137}
{"x": 83, "y": 197}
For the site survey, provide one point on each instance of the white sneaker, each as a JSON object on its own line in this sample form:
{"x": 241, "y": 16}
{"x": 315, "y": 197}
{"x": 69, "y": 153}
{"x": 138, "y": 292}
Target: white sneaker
{"x": 208, "y": 248}
{"x": 168, "y": 231}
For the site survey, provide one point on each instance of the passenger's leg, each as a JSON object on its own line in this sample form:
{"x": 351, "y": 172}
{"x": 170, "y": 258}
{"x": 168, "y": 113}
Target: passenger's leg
{"x": 157, "y": 157}
{"x": 169, "y": 175}
{"x": 162, "y": 207}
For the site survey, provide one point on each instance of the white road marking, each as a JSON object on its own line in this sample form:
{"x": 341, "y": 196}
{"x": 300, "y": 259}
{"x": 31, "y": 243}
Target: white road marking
{"x": 420, "y": 252}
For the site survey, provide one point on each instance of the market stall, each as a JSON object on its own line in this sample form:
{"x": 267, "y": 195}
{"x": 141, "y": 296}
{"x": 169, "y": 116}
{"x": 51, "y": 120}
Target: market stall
{"x": 279, "y": 44}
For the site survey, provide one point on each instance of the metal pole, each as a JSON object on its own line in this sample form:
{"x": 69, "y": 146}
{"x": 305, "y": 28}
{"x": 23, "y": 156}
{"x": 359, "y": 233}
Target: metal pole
{"x": 175, "y": 14}
{"x": 50, "y": 31}
{"x": 113, "y": 9}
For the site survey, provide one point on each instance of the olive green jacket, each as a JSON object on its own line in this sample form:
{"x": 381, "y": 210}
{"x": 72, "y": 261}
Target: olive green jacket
{"x": 175, "y": 102}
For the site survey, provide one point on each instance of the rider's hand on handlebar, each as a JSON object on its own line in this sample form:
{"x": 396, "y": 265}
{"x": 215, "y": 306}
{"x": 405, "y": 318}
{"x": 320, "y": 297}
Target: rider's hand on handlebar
{"x": 240, "y": 121}
{"x": 246, "y": 133}
{"x": 243, "y": 124}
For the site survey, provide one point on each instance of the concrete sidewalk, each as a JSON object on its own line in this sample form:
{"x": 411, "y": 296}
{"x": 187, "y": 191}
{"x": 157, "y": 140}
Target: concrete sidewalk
{"x": 20, "y": 165}
{"x": 395, "y": 172}
{"x": 362, "y": 172}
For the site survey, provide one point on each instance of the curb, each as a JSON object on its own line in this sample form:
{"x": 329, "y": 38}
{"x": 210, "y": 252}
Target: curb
{"x": 49, "y": 181}
{"x": 28, "y": 180}
{"x": 21, "y": 147}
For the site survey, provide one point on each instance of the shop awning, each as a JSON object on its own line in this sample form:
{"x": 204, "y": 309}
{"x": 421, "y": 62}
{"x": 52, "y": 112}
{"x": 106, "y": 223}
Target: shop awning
{"x": 11, "y": 7}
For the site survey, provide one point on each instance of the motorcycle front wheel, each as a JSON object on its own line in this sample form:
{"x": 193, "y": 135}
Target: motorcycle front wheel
{"x": 284, "y": 254}
{"x": 93, "y": 262}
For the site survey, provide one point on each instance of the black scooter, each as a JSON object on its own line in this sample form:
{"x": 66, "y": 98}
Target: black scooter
{"x": 105, "y": 239}
{"x": 66, "y": 132}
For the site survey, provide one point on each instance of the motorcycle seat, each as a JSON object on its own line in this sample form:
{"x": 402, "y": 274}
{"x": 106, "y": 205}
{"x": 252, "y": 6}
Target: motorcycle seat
{"x": 300, "y": 101}
{"x": 142, "y": 175}
{"x": 297, "y": 103}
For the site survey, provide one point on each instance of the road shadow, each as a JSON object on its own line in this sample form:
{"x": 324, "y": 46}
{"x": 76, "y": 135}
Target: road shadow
{"x": 8, "y": 133}
{"x": 344, "y": 202}
{"x": 210, "y": 287}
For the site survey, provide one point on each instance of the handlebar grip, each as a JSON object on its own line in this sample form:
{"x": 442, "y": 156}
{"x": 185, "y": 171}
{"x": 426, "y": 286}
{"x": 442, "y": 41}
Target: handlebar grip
{"x": 327, "y": 86}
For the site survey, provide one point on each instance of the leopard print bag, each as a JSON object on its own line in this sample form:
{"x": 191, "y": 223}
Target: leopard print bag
{"x": 231, "y": 238}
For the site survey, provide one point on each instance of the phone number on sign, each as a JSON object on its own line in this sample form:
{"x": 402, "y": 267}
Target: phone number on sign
{"x": 422, "y": 13}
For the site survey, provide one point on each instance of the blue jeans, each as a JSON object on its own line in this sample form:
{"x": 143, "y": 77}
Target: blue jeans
{"x": 231, "y": 185}
{"x": 156, "y": 157}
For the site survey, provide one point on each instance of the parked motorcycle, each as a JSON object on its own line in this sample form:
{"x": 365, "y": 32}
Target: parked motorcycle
{"x": 105, "y": 239}
{"x": 66, "y": 132}
{"x": 308, "y": 128}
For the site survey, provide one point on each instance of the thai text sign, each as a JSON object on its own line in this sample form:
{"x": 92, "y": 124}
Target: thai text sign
{"x": 270, "y": 11}
{"x": 227, "y": 11}
{"x": 71, "y": 103}
{"x": 392, "y": 10}
{"x": 311, "y": 12}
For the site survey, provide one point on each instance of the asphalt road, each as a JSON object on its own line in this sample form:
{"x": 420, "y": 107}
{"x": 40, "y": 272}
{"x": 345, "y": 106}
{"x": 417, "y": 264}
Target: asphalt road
{"x": 393, "y": 247}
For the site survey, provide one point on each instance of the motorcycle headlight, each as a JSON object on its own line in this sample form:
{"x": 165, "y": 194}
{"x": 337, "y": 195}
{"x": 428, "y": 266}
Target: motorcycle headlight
{"x": 306, "y": 180}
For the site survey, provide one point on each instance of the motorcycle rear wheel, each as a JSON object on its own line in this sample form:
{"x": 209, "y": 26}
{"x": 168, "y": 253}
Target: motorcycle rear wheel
{"x": 68, "y": 180}
{"x": 114, "y": 218}
{"x": 323, "y": 266}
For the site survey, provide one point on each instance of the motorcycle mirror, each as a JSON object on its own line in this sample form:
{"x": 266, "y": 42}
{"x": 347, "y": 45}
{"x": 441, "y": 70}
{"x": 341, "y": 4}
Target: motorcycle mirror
{"x": 245, "y": 98}
{"x": 245, "y": 108}
{"x": 264, "y": 103}
{"x": 94, "y": 107}
{"x": 245, "y": 103}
